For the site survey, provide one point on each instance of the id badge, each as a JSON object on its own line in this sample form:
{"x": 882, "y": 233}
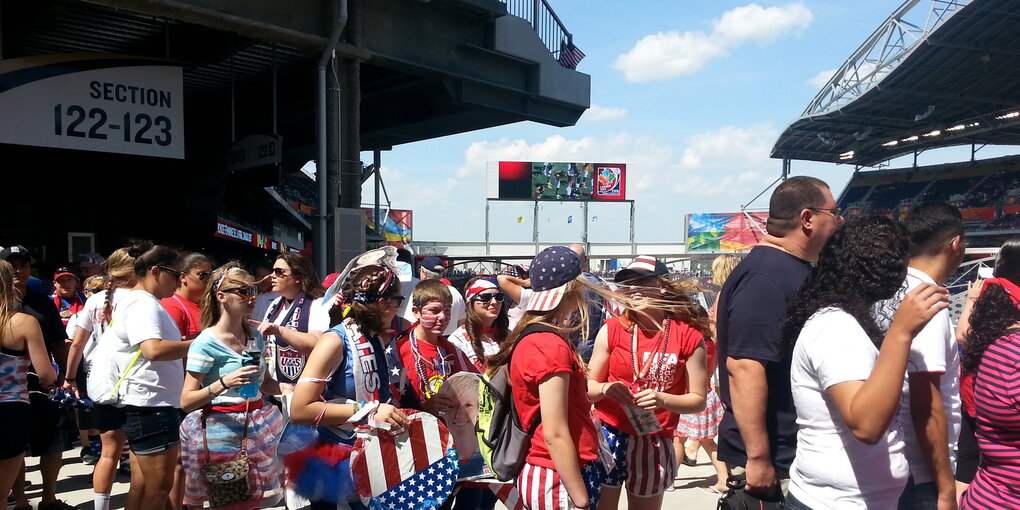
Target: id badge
{"x": 643, "y": 420}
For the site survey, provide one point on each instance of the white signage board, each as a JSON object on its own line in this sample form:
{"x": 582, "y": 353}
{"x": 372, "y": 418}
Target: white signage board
{"x": 128, "y": 110}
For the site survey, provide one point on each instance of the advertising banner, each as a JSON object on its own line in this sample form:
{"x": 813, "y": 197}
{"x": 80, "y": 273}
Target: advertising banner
{"x": 234, "y": 232}
{"x": 710, "y": 232}
{"x": 562, "y": 181}
{"x": 102, "y": 103}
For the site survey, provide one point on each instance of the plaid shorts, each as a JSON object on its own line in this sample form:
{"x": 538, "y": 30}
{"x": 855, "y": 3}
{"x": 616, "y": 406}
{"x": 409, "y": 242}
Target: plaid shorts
{"x": 646, "y": 463}
{"x": 541, "y": 488}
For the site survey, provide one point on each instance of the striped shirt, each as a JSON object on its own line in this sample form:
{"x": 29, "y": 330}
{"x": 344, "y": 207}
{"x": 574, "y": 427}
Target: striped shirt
{"x": 997, "y": 402}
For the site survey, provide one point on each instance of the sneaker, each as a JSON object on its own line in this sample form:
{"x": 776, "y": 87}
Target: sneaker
{"x": 56, "y": 505}
{"x": 88, "y": 457}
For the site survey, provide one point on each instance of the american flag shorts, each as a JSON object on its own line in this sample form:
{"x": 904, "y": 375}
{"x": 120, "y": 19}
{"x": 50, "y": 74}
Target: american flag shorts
{"x": 646, "y": 463}
{"x": 541, "y": 488}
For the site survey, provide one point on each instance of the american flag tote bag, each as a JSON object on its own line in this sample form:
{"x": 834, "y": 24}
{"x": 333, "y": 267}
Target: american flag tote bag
{"x": 416, "y": 469}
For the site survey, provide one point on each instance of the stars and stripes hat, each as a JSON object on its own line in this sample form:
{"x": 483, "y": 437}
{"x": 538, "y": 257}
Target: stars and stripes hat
{"x": 551, "y": 271}
{"x": 642, "y": 266}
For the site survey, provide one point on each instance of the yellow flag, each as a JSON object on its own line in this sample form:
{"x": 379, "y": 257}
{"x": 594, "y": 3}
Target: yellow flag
{"x": 520, "y": 219}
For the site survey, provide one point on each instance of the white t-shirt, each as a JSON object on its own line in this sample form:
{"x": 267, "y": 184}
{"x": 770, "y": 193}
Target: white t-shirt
{"x": 137, "y": 318}
{"x": 460, "y": 340}
{"x": 88, "y": 319}
{"x": 933, "y": 350}
{"x": 517, "y": 311}
{"x": 832, "y": 468}
{"x": 318, "y": 318}
{"x": 458, "y": 310}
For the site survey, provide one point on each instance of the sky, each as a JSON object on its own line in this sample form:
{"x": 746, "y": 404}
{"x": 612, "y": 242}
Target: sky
{"x": 690, "y": 95}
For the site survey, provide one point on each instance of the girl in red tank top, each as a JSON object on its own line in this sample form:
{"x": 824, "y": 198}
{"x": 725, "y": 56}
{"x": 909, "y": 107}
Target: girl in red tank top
{"x": 647, "y": 366}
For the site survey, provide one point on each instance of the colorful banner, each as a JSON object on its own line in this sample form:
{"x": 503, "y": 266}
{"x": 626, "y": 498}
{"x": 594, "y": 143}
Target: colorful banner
{"x": 233, "y": 232}
{"x": 397, "y": 225}
{"x": 562, "y": 181}
{"x": 709, "y": 232}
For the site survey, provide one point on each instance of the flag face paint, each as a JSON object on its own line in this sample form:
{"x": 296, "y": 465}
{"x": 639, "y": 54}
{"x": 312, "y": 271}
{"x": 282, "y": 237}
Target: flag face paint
{"x": 434, "y": 316}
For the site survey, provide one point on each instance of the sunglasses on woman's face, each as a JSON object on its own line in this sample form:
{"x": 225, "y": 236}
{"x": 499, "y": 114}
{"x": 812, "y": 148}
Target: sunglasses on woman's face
{"x": 395, "y": 300}
{"x": 485, "y": 298}
{"x": 280, "y": 272}
{"x": 176, "y": 273}
{"x": 203, "y": 275}
{"x": 244, "y": 292}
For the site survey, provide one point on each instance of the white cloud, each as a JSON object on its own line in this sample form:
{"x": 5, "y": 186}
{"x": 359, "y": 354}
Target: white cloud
{"x": 761, "y": 24}
{"x": 667, "y": 55}
{"x": 599, "y": 113}
{"x": 819, "y": 80}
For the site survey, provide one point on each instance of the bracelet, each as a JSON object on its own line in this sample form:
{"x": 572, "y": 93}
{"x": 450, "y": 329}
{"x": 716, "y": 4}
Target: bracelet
{"x": 70, "y": 379}
{"x": 602, "y": 390}
{"x": 356, "y": 406}
{"x": 211, "y": 394}
{"x": 225, "y": 387}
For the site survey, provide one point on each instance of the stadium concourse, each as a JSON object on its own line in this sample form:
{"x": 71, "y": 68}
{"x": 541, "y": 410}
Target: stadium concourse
{"x": 76, "y": 485}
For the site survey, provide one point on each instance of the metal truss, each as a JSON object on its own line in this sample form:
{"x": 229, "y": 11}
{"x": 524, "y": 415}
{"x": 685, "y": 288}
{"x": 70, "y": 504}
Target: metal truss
{"x": 905, "y": 30}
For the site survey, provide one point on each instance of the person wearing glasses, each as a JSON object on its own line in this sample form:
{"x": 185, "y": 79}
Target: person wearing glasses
{"x": 150, "y": 396}
{"x": 183, "y": 306}
{"x": 216, "y": 371}
{"x": 647, "y": 366}
{"x": 486, "y": 326}
{"x": 285, "y": 326}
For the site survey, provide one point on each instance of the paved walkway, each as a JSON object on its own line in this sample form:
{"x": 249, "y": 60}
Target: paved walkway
{"x": 75, "y": 485}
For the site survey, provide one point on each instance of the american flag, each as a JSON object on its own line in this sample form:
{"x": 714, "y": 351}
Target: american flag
{"x": 570, "y": 55}
{"x": 415, "y": 469}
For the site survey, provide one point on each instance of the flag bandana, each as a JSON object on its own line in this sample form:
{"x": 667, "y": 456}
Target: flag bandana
{"x": 415, "y": 469}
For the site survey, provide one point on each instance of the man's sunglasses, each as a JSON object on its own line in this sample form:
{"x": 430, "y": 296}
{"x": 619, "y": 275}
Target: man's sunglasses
{"x": 176, "y": 273}
{"x": 485, "y": 298}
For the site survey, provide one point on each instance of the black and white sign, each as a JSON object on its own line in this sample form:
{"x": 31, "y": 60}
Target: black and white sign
{"x": 128, "y": 110}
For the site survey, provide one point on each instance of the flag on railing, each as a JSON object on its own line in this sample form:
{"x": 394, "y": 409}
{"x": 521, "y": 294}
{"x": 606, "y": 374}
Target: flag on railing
{"x": 570, "y": 55}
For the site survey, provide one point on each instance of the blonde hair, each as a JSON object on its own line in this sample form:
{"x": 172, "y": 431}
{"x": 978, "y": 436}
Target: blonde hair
{"x": 229, "y": 276}
{"x": 9, "y": 296}
{"x": 120, "y": 271}
{"x": 722, "y": 266}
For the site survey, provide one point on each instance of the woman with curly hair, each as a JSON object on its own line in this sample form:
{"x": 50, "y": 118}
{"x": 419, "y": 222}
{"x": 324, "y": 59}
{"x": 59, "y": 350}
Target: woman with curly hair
{"x": 647, "y": 366}
{"x": 991, "y": 355}
{"x": 846, "y": 375}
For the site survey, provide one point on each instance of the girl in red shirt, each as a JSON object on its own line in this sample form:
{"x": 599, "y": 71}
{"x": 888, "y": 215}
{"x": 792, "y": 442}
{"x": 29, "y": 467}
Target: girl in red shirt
{"x": 647, "y": 366}
{"x": 549, "y": 388}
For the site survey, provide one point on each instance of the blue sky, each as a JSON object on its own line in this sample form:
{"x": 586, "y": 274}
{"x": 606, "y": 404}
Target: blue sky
{"x": 690, "y": 95}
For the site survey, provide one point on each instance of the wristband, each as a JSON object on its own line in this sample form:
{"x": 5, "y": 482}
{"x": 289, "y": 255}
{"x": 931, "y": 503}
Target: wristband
{"x": 603, "y": 388}
{"x": 70, "y": 379}
{"x": 225, "y": 387}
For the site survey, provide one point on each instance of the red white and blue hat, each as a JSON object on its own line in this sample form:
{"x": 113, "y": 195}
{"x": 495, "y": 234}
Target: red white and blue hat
{"x": 551, "y": 271}
{"x": 642, "y": 266}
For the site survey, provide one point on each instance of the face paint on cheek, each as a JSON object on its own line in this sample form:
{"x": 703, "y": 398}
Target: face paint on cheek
{"x": 432, "y": 321}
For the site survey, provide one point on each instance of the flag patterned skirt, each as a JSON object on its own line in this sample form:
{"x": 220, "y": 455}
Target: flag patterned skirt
{"x": 265, "y": 476}
{"x": 702, "y": 425}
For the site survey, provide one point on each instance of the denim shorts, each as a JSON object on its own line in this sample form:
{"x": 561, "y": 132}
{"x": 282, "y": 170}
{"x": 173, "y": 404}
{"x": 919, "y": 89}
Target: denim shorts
{"x": 151, "y": 430}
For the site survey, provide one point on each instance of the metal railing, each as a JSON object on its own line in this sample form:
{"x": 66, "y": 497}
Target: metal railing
{"x": 543, "y": 19}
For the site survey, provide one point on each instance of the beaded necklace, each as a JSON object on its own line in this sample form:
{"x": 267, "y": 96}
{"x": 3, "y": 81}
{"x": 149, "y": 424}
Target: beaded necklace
{"x": 642, "y": 379}
{"x": 438, "y": 364}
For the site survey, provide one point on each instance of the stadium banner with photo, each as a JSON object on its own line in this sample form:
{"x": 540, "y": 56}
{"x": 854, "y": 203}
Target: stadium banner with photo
{"x": 978, "y": 215}
{"x": 94, "y": 102}
{"x": 710, "y": 232}
{"x": 521, "y": 180}
{"x": 396, "y": 225}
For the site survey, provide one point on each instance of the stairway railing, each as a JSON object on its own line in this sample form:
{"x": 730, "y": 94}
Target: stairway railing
{"x": 549, "y": 27}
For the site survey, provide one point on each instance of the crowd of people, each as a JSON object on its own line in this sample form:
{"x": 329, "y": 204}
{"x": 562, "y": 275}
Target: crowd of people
{"x": 827, "y": 374}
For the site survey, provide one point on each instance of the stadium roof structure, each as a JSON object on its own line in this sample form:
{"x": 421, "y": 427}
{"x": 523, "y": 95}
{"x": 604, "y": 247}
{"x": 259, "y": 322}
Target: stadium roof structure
{"x": 937, "y": 73}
